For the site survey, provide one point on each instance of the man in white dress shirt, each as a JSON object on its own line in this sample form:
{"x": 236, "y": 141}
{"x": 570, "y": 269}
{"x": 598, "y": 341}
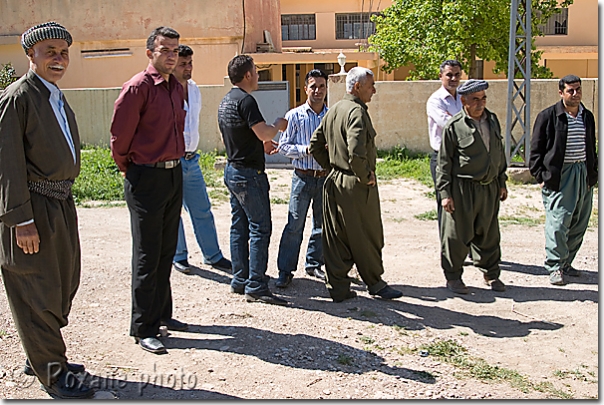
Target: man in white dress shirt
{"x": 195, "y": 196}
{"x": 441, "y": 106}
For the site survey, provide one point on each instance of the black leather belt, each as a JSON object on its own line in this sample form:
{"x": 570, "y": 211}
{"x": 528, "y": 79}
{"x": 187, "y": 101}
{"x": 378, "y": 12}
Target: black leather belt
{"x": 168, "y": 164}
{"x": 312, "y": 173}
{"x": 190, "y": 155}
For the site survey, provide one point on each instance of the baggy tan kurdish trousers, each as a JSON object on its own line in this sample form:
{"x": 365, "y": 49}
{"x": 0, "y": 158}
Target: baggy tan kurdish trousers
{"x": 352, "y": 233}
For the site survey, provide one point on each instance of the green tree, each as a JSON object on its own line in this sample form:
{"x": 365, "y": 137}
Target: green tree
{"x": 423, "y": 33}
{"x": 7, "y": 75}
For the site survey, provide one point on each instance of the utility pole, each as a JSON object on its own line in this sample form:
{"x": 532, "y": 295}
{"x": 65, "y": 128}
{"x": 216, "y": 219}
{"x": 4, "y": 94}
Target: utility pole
{"x": 518, "y": 119}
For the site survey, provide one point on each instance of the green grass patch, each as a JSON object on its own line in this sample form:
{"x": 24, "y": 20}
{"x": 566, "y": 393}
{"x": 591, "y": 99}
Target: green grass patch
{"x": 99, "y": 179}
{"x": 475, "y": 367}
{"x": 400, "y": 163}
{"x": 368, "y": 314}
{"x": 367, "y": 339}
{"x": 279, "y": 200}
{"x": 427, "y": 216}
{"x": 516, "y": 220}
{"x": 430, "y": 194}
{"x": 345, "y": 360}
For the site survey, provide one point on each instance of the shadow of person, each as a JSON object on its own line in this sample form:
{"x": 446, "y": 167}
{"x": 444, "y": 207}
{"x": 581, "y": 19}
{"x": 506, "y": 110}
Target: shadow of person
{"x": 586, "y": 277}
{"x": 312, "y": 295}
{"x": 130, "y": 384}
{"x": 515, "y": 292}
{"x": 214, "y": 275}
{"x": 291, "y": 350}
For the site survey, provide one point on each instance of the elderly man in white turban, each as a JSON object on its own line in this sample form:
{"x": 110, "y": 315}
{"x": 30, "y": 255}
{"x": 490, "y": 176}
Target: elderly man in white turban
{"x": 470, "y": 178}
{"x": 40, "y": 247}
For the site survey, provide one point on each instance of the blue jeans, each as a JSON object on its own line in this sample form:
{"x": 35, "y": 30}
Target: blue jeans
{"x": 250, "y": 223}
{"x": 305, "y": 189}
{"x": 196, "y": 202}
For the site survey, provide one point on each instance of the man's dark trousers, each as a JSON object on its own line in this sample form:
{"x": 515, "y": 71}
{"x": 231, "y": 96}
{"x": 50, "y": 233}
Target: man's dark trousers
{"x": 154, "y": 198}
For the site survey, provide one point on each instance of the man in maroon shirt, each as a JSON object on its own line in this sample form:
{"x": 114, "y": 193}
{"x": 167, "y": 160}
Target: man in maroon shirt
{"x": 147, "y": 144}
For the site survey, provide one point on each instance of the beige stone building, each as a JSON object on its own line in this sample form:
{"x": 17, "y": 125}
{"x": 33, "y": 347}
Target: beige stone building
{"x": 110, "y": 37}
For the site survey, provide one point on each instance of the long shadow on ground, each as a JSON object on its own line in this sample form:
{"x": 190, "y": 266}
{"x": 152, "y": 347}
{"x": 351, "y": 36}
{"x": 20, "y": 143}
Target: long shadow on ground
{"x": 304, "y": 293}
{"x": 291, "y": 350}
{"x": 587, "y": 277}
{"x": 144, "y": 387}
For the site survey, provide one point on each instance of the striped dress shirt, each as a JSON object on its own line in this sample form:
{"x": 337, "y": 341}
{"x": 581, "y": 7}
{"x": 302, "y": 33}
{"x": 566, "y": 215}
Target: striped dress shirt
{"x": 575, "y": 139}
{"x": 293, "y": 143}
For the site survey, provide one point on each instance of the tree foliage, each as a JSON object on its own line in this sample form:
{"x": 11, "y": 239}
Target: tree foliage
{"x": 7, "y": 75}
{"x": 424, "y": 33}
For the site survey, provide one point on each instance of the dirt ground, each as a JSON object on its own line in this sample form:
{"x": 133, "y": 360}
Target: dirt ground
{"x": 362, "y": 348}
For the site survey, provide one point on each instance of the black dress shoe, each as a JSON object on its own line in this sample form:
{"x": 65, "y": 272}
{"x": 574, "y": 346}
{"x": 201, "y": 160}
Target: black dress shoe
{"x": 223, "y": 265}
{"x": 284, "y": 280}
{"x": 267, "y": 298}
{"x": 315, "y": 272}
{"x": 388, "y": 293}
{"x": 183, "y": 266}
{"x": 68, "y": 386}
{"x": 73, "y": 367}
{"x": 173, "y": 324}
{"x": 151, "y": 344}
{"x": 350, "y": 294}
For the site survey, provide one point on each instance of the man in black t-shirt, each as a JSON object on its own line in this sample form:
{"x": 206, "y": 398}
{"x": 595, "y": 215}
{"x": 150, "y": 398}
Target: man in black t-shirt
{"x": 247, "y": 138}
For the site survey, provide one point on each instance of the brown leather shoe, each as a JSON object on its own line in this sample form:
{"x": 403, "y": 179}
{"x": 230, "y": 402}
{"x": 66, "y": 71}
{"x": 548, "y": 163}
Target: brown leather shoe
{"x": 496, "y": 284}
{"x": 457, "y": 286}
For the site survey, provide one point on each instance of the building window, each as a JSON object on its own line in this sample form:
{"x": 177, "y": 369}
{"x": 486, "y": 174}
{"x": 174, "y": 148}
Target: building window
{"x": 354, "y": 25}
{"x": 295, "y": 27}
{"x": 556, "y": 24}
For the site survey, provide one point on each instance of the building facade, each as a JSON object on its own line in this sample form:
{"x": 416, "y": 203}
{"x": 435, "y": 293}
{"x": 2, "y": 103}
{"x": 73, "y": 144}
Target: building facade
{"x": 286, "y": 38}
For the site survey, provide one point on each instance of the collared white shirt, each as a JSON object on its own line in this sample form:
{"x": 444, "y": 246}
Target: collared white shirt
{"x": 193, "y": 108}
{"x": 441, "y": 106}
{"x": 293, "y": 143}
{"x": 58, "y": 107}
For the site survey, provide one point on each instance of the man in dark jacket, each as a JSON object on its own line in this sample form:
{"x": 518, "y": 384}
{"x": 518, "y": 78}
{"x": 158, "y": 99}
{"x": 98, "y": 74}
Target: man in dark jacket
{"x": 564, "y": 162}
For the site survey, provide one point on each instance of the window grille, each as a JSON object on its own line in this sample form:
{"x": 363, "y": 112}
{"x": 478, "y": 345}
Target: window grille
{"x": 354, "y": 25}
{"x": 557, "y": 24}
{"x": 295, "y": 27}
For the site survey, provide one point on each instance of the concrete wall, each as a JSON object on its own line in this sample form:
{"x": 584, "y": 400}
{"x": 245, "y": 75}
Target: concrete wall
{"x": 94, "y": 109}
{"x": 398, "y": 109}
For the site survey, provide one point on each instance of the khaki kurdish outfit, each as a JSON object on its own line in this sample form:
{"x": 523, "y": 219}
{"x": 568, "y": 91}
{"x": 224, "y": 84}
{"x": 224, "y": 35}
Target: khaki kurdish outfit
{"x": 472, "y": 175}
{"x": 40, "y": 287}
{"x": 352, "y": 223}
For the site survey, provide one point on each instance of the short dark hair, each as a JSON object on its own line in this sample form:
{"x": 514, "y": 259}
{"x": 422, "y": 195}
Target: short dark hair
{"x": 568, "y": 79}
{"x": 239, "y": 66}
{"x": 184, "y": 51}
{"x": 450, "y": 62}
{"x": 161, "y": 32}
{"x": 315, "y": 73}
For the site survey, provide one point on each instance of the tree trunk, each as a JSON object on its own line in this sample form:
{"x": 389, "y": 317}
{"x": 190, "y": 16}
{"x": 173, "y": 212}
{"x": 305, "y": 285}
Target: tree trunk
{"x": 472, "y": 72}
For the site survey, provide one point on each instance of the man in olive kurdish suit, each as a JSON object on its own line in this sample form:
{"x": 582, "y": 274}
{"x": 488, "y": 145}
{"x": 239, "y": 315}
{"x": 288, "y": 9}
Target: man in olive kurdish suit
{"x": 471, "y": 181}
{"x": 40, "y": 246}
{"x": 344, "y": 143}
